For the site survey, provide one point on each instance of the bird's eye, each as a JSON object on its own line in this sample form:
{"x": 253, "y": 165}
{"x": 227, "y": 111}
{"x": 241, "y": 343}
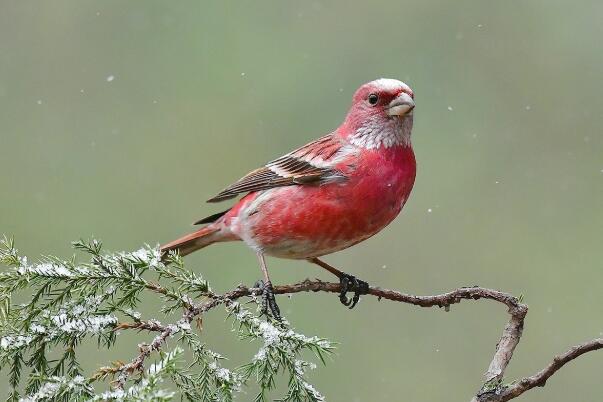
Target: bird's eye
{"x": 373, "y": 99}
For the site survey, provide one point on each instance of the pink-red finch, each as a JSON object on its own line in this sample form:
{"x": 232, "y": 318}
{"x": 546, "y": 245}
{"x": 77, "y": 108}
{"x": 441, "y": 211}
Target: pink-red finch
{"x": 326, "y": 196}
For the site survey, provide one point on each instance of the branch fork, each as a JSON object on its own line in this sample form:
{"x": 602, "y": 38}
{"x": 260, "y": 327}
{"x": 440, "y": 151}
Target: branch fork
{"x": 492, "y": 390}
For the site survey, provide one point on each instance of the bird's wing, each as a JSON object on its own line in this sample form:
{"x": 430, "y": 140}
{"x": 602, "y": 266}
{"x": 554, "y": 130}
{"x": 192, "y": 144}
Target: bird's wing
{"x": 311, "y": 164}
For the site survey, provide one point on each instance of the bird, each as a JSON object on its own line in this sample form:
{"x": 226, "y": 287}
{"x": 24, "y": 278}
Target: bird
{"x": 325, "y": 196}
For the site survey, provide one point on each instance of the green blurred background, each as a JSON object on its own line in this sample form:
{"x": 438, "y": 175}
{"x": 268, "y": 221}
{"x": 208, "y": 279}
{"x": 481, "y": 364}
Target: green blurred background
{"x": 118, "y": 119}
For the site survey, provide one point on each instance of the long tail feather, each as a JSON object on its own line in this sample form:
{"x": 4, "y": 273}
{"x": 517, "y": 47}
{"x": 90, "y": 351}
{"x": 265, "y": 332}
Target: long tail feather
{"x": 192, "y": 242}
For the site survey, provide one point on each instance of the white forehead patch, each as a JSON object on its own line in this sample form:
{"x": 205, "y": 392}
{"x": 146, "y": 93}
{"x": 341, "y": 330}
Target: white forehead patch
{"x": 389, "y": 84}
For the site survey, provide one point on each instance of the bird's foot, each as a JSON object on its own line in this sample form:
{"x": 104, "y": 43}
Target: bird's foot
{"x": 268, "y": 306}
{"x": 350, "y": 283}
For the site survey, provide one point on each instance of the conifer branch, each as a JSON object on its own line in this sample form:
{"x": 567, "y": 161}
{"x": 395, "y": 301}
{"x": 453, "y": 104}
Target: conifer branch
{"x": 72, "y": 302}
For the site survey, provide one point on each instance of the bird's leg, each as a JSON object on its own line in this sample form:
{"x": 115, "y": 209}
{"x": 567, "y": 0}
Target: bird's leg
{"x": 348, "y": 283}
{"x": 269, "y": 306}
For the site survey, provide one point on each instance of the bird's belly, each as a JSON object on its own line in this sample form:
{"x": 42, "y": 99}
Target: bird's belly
{"x": 301, "y": 222}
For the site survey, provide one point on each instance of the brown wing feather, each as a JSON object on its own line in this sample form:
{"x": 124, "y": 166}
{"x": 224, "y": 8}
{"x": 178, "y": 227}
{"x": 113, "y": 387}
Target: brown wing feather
{"x": 295, "y": 168}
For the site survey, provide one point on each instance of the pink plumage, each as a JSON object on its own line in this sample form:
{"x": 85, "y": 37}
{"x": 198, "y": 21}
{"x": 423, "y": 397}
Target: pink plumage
{"x": 329, "y": 194}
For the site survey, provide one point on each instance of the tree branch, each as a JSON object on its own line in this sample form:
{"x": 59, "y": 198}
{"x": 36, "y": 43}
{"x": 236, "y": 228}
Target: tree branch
{"x": 137, "y": 364}
{"x": 492, "y": 390}
{"x": 539, "y": 379}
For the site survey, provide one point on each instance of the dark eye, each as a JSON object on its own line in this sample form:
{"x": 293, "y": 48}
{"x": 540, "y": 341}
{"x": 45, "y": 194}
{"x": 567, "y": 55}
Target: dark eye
{"x": 373, "y": 99}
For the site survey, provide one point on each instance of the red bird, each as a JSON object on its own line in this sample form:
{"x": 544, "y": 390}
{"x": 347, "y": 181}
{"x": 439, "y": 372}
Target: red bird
{"x": 326, "y": 196}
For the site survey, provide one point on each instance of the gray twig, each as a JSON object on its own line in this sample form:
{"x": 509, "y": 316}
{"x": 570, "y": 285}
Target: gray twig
{"x": 493, "y": 390}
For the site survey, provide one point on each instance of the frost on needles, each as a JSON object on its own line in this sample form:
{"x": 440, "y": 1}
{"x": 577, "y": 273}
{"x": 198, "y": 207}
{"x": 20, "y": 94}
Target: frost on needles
{"x": 69, "y": 303}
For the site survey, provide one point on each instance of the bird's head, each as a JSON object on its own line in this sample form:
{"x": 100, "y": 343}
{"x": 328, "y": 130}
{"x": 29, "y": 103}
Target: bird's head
{"x": 381, "y": 114}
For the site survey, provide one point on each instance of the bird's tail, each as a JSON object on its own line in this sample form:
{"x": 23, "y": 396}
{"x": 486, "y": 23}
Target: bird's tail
{"x": 192, "y": 242}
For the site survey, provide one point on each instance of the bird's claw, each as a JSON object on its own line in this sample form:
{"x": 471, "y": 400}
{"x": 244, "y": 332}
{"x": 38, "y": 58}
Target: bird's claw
{"x": 268, "y": 306}
{"x": 350, "y": 283}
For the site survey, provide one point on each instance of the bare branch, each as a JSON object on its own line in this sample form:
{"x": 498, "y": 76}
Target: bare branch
{"x": 492, "y": 391}
{"x": 539, "y": 379}
{"x": 148, "y": 325}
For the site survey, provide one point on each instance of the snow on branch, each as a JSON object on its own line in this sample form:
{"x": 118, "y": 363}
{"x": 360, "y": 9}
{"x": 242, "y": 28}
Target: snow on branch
{"x": 72, "y": 302}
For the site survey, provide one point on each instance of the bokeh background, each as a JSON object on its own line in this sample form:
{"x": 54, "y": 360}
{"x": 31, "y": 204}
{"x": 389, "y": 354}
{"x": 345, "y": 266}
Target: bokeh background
{"x": 118, "y": 119}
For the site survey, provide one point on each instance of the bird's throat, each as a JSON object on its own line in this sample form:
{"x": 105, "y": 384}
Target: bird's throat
{"x": 379, "y": 132}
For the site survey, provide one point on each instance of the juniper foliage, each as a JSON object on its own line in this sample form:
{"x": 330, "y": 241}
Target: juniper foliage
{"x": 70, "y": 302}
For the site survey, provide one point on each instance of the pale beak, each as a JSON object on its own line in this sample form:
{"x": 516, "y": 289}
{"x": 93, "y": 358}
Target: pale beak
{"x": 402, "y": 105}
